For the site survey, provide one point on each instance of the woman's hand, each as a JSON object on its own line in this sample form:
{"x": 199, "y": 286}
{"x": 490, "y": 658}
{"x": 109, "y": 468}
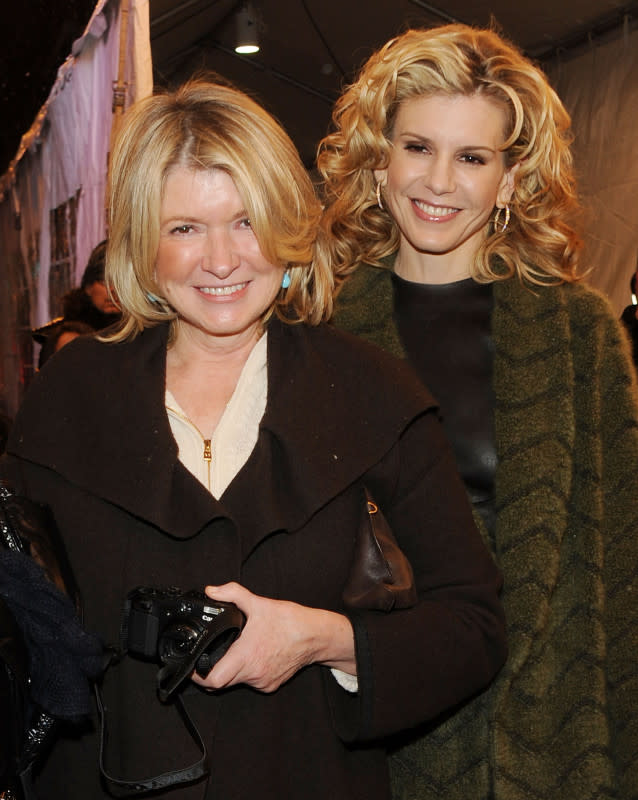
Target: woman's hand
{"x": 278, "y": 639}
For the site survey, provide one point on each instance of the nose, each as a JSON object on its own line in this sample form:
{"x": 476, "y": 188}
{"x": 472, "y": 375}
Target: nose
{"x": 440, "y": 177}
{"x": 221, "y": 257}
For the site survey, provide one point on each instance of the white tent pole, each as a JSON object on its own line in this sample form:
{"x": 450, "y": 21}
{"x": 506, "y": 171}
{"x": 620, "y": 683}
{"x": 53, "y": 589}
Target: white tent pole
{"x": 119, "y": 87}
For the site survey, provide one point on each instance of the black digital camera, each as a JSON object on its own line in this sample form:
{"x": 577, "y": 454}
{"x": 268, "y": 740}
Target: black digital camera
{"x": 183, "y": 631}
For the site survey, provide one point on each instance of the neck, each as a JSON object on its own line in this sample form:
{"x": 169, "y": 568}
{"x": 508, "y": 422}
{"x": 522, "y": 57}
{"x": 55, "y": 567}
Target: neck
{"x": 202, "y": 378}
{"x": 193, "y": 351}
{"x": 420, "y": 267}
{"x": 432, "y": 270}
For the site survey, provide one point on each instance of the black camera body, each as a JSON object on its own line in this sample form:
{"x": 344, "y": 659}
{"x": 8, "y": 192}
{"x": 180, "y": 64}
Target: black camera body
{"x": 183, "y": 631}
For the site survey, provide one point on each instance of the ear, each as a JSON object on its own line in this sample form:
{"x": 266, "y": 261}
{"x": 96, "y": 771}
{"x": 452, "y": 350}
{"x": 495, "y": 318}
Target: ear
{"x": 381, "y": 176}
{"x": 507, "y": 186}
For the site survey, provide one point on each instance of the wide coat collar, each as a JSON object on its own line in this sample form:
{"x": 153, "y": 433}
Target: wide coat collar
{"x": 335, "y": 407}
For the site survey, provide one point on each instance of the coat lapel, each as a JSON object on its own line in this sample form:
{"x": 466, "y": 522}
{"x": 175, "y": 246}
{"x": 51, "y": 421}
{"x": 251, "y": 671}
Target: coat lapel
{"x": 535, "y": 434}
{"x": 106, "y": 431}
{"x": 365, "y": 306}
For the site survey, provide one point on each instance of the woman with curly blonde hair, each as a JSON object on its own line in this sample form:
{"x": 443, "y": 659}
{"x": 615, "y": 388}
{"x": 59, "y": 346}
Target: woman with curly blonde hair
{"x": 452, "y": 211}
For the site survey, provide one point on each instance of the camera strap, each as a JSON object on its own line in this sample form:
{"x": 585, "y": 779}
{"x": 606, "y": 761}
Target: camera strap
{"x": 120, "y": 787}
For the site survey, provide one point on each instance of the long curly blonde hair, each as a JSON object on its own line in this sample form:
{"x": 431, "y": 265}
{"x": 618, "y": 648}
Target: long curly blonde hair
{"x": 541, "y": 244}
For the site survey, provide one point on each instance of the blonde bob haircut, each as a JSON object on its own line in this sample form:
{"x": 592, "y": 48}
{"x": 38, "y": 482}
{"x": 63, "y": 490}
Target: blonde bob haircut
{"x": 540, "y": 244}
{"x": 204, "y": 126}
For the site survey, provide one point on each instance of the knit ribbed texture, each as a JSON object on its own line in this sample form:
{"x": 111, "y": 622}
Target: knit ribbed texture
{"x": 561, "y": 720}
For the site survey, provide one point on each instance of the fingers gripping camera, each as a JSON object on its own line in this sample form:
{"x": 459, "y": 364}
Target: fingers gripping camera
{"x": 183, "y": 631}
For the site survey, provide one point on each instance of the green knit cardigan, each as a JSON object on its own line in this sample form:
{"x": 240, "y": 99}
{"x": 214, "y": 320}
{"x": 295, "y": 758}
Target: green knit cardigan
{"x": 560, "y": 722}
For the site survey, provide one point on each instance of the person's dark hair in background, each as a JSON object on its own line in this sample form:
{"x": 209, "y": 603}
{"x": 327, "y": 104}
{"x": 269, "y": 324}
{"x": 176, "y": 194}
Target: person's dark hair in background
{"x": 92, "y": 302}
{"x": 86, "y": 309}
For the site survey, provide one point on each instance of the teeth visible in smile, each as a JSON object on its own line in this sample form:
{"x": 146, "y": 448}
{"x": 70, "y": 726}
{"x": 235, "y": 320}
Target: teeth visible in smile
{"x": 434, "y": 211}
{"x": 218, "y": 291}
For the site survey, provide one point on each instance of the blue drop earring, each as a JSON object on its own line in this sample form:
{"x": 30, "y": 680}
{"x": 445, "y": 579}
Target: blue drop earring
{"x": 285, "y": 281}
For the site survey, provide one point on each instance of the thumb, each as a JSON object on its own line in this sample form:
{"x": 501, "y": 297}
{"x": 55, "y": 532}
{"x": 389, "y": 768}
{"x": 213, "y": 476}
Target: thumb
{"x": 230, "y": 593}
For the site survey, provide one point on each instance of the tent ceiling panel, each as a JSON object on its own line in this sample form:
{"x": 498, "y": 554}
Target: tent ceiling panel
{"x": 309, "y": 48}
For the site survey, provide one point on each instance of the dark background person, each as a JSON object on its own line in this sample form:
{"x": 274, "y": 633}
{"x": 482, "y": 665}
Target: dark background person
{"x": 57, "y": 334}
{"x": 91, "y": 304}
{"x": 68, "y": 331}
{"x": 227, "y": 444}
{"x": 629, "y": 319}
{"x": 449, "y": 182}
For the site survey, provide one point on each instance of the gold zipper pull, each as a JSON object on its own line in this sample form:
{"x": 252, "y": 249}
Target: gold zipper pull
{"x": 208, "y": 454}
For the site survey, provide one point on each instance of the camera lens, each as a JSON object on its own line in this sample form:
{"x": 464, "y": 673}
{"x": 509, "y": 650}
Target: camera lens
{"x": 177, "y": 641}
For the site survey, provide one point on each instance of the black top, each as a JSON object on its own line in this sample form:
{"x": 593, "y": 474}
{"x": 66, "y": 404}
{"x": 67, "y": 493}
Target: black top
{"x": 446, "y": 332}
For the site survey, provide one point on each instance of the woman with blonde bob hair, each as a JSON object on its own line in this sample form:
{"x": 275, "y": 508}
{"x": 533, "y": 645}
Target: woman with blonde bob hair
{"x": 211, "y": 126}
{"x": 452, "y": 212}
{"x": 224, "y": 438}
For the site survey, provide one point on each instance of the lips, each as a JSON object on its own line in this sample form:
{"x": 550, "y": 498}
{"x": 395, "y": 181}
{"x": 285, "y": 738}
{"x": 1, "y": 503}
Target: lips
{"x": 223, "y": 291}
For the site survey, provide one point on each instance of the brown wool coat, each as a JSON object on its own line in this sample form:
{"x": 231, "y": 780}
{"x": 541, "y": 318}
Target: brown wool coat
{"x": 93, "y": 441}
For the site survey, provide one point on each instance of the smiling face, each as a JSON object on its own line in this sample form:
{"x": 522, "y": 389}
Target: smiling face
{"x": 446, "y": 174}
{"x": 209, "y": 265}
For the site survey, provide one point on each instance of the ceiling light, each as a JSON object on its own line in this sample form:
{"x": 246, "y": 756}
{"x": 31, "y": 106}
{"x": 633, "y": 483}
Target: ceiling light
{"x": 247, "y": 38}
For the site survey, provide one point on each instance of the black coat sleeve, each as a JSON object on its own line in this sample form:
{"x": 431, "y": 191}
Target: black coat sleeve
{"x": 416, "y": 663}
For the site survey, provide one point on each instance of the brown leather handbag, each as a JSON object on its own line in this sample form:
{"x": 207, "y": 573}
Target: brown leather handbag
{"x": 381, "y": 576}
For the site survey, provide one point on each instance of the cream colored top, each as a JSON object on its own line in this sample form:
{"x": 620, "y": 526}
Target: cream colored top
{"x": 216, "y": 460}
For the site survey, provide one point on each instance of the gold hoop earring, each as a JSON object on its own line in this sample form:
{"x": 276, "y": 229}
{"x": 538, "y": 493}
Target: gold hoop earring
{"x": 378, "y": 193}
{"x": 497, "y": 219}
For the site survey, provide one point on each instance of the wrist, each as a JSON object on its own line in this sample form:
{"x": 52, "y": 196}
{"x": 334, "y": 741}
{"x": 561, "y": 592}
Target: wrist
{"x": 333, "y": 641}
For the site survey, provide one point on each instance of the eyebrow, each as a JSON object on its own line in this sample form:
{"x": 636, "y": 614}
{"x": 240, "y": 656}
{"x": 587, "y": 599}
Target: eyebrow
{"x": 426, "y": 139}
{"x": 186, "y": 218}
